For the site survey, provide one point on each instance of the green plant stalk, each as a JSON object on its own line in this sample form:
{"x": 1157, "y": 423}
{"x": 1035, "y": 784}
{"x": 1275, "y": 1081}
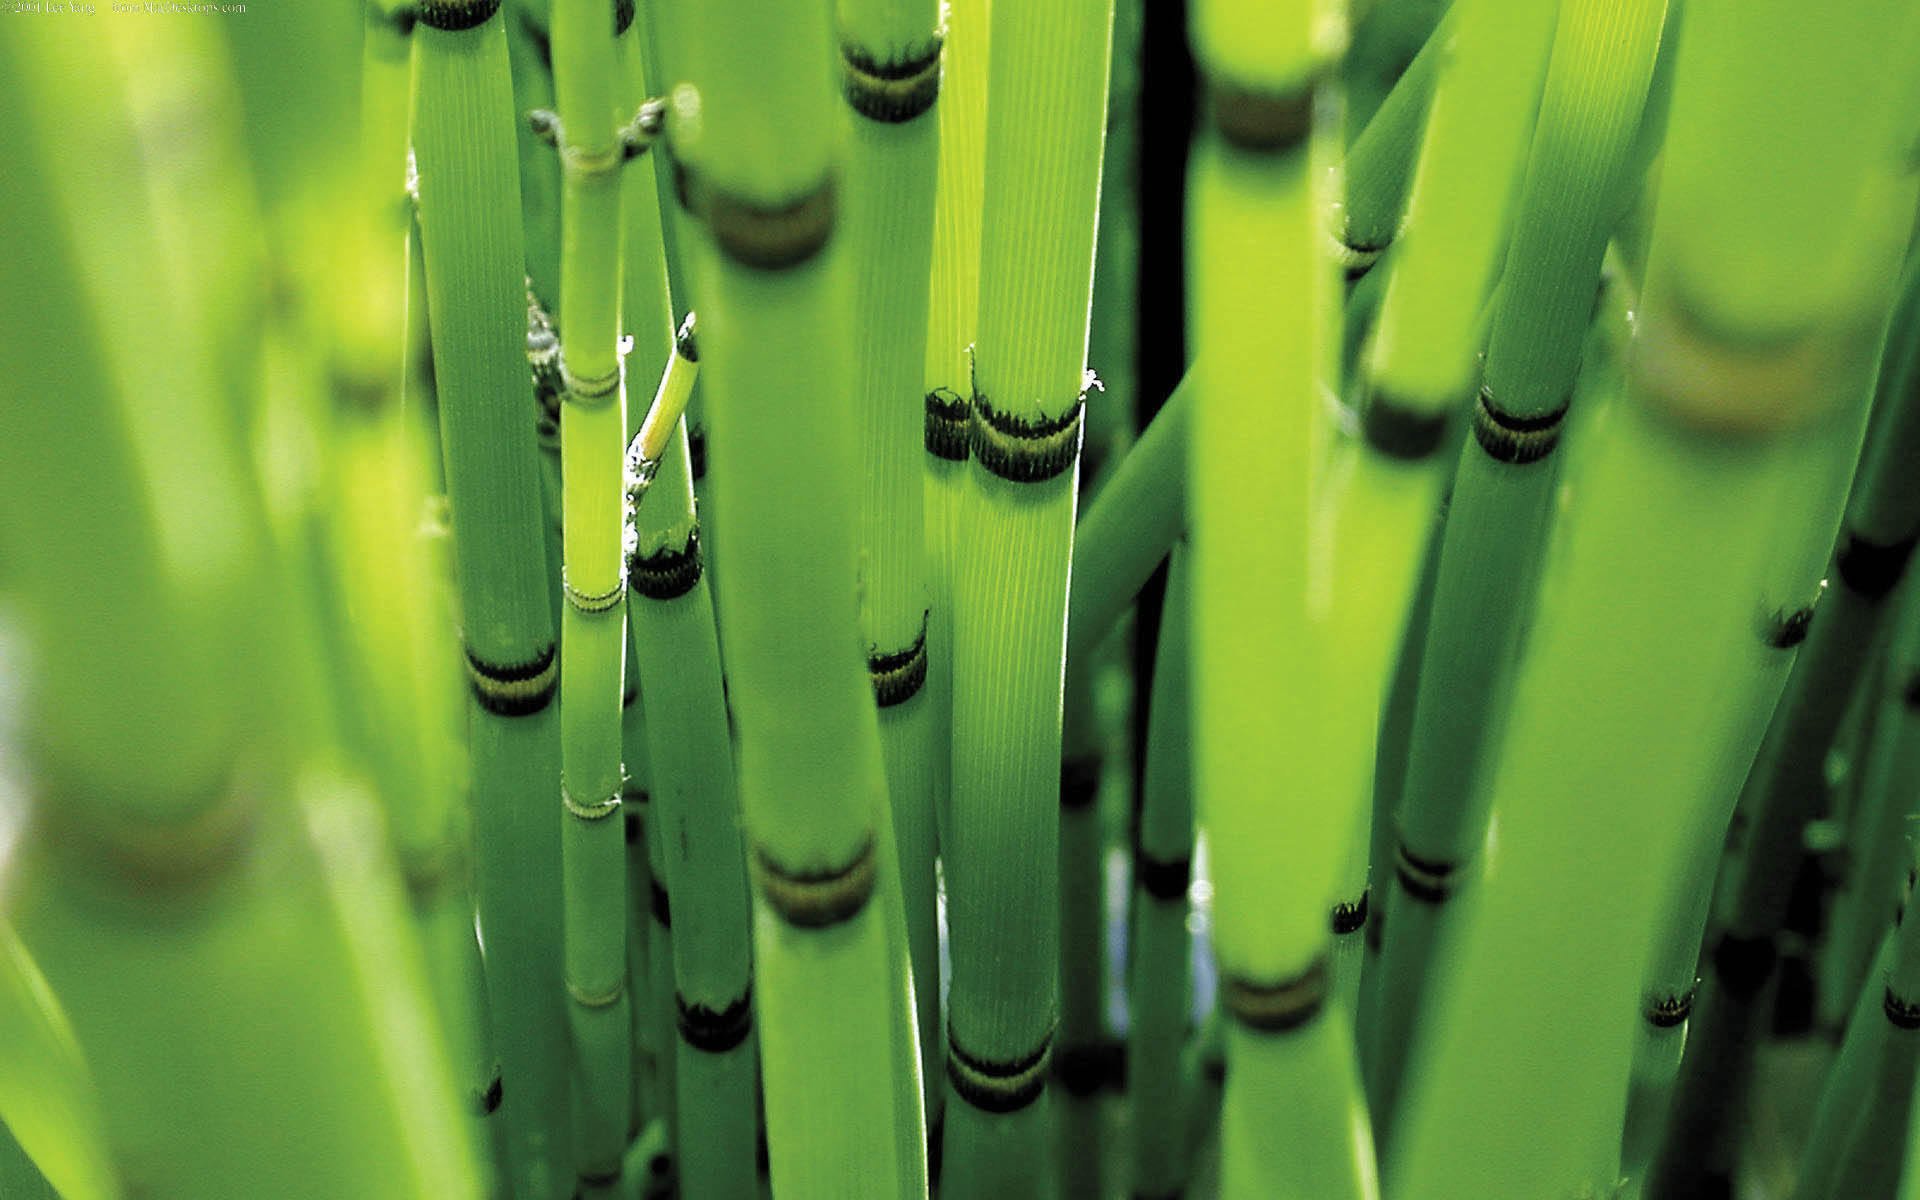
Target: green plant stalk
{"x": 659, "y": 1023}
{"x": 830, "y": 953}
{"x": 1266, "y": 318}
{"x": 1427, "y": 339}
{"x": 1388, "y": 36}
{"x": 890, "y": 54}
{"x": 469, "y": 195}
{"x": 1600, "y": 65}
{"x": 1085, "y": 1061}
{"x": 48, "y": 1102}
{"x": 1136, "y": 514}
{"x": 952, "y": 310}
{"x": 1159, "y": 981}
{"x": 1044, "y": 142}
{"x": 18, "y": 1173}
{"x": 590, "y": 87}
{"x": 530, "y": 52}
{"x": 1379, "y": 165}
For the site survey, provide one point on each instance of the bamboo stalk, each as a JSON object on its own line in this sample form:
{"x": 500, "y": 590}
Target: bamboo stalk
{"x": 468, "y": 184}
{"x": 48, "y": 1101}
{"x": 1159, "y": 991}
{"x": 835, "y": 988}
{"x": 1038, "y": 215}
{"x": 1380, "y": 164}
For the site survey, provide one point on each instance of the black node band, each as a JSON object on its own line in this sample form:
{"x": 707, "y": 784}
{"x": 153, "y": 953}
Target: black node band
{"x": 1667, "y": 1011}
{"x": 895, "y": 91}
{"x": 697, "y": 452}
{"x": 1350, "y": 917}
{"x": 601, "y": 1179}
{"x": 1090, "y": 1068}
{"x": 1429, "y": 880}
{"x": 1911, "y": 693}
{"x": 712, "y": 1031}
{"x": 490, "y": 1099}
{"x": 515, "y": 689}
{"x": 772, "y": 237}
{"x": 1165, "y": 879}
{"x": 817, "y": 899}
{"x": 1513, "y": 438}
{"x": 1871, "y": 569}
{"x": 1784, "y": 630}
{"x": 622, "y": 16}
{"x": 660, "y": 903}
{"x": 999, "y": 1086}
{"x": 936, "y": 1147}
{"x": 1904, "y": 1014}
{"x": 1026, "y": 450}
{"x": 666, "y": 574}
{"x": 453, "y": 16}
{"x": 899, "y": 675}
{"x": 1402, "y": 431}
{"x": 1742, "y": 964}
{"x": 1079, "y": 783}
{"x": 949, "y": 428}
{"x": 1260, "y": 121}
{"x": 1280, "y": 1006}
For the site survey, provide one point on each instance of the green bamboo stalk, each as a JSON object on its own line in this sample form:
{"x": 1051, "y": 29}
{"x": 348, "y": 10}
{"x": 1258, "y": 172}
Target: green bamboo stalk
{"x": 1379, "y": 166}
{"x": 468, "y": 193}
{"x": 530, "y": 52}
{"x": 18, "y": 1174}
{"x": 1086, "y": 1062}
{"x": 1044, "y": 142}
{"x": 890, "y": 52}
{"x": 1135, "y": 516}
{"x": 1387, "y": 38}
{"x": 1159, "y": 982}
{"x": 1595, "y": 88}
{"x": 48, "y": 1101}
{"x": 1266, "y": 320}
{"x": 590, "y": 90}
{"x": 757, "y": 155}
{"x": 953, "y": 306}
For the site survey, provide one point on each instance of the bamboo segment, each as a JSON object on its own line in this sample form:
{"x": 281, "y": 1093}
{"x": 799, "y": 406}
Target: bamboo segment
{"x": 890, "y": 53}
{"x": 1595, "y": 88}
{"x": 757, "y": 155}
{"x": 1048, "y": 79}
{"x": 48, "y": 1102}
{"x": 468, "y": 184}
{"x": 1158, "y": 975}
{"x": 1379, "y": 167}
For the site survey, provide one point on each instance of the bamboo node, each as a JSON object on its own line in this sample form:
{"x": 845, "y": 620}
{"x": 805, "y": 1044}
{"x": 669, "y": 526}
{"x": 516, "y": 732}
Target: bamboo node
{"x": 1281, "y": 1006}
{"x": 1903, "y": 1013}
{"x": 514, "y": 689}
{"x": 454, "y": 16}
{"x": 1164, "y": 879}
{"x": 715, "y": 1031}
{"x": 899, "y": 674}
{"x": 1671, "y": 1009}
{"x": 1079, "y": 783}
{"x": 1871, "y": 569}
{"x": 623, "y": 13}
{"x": 1429, "y": 880}
{"x": 999, "y": 1086}
{"x": 894, "y": 90}
{"x": 599, "y": 810}
{"x": 668, "y": 573}
{"x": 817, "y": 899}
{"x": 1402, "y": 431}
{"x": 685, "y": 343}
{"x": 638, "y": 135}
{"x": 1743, "y": 964}
{"x": 1514, "y": 438}
{"x": 949, "y": 425}
{"x": 1350, "y": 916}
{"x": 590, "y": 392}
{"x": 659, "y": 904}
{"x": 592, "y": 602}
{"x": 1784, "y": 629}
{"x": 1026, "y": 449}
{"x": 1260, "y": 120}
{"x": 768, "y": 237}
{"x": 606, "y": 998}
{"x": 489, "y": 1099}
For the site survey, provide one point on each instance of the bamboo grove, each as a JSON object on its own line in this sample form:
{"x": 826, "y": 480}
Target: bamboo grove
{"x": 1065, "y": 598}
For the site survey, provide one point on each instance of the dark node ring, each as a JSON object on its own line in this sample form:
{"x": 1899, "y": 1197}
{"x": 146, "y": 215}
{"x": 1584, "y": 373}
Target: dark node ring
{"x": 1026, "y": 450}
{"x": 592, "y": 602}
{"x": 1402, "y": 431}
{"x": 1904, "y": 1014}
{"x": 772, "y": 237}
{"x": 949, "y": 428}
{"x": 1665, "y": 1012}
{"x": 1164, "y": 879}
{"x": 667, "y": 573}
{"x": 1872, "y": 569}
{"x": 601, "y": 1179}
{"x": 490, "y": 1098}
{"x": 999, "y": 1086}
{"x": 588, "y": 393}
{"x": 1350, "y": 917}
{"x": 1092, "y": 1067}
{"x": 1079, "y": 783}
{"x": 453, "y": 16}
{"x": 630, "y": 815}
{"x": 1376, "y": 930}
{"x": 1429, "y": 880}
{"x": 400, "y": 19}
{"x": 659, "y": 903}
{"x": 715, "y": 1031}
{"x": 515, "y": 689}
{"x": 622, "y": 16}
{"x": 1262, "y": 121}
{"x": 1743, "y": 964}
{"x": 899, "y": 674}
{"x": 1784, "y": 630}
{"x": 936, "y": 1147}
{"x": 684, "y": 342}
{"x": 1513, "y": 438}
{"x": 817, "y": 899}
{"x": 1911, "y": 693}
{"x": 697, "y": 452}
{"x": 1280, "y": 1006}
{"x": 892, "y": 91}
